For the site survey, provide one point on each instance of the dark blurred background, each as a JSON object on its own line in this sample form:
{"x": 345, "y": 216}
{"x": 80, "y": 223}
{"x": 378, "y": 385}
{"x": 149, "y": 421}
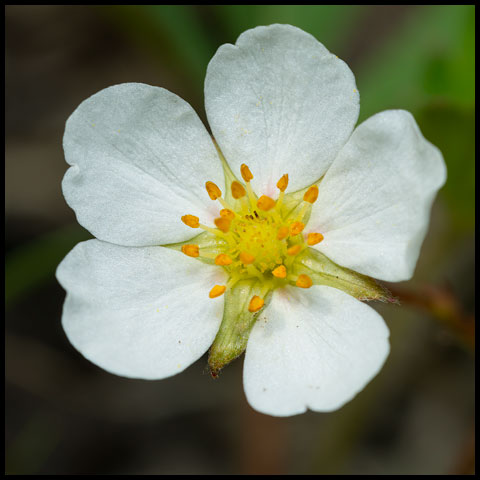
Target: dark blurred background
{"x": 65, "y": 415}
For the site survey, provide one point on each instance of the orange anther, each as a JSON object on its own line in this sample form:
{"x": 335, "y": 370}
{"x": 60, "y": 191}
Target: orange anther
{"x": 282, "y": 184}
{"x": 191, "y": 221}
{"x": 256, "y": 303}
{"x": 246, "y": 258}
{"x": 223, "y": 259}
{"x": 246, "y": 173}
{"x": 294, "y": 250}
{"x": 217, "y": 290}
{"x": 237, "y": 190}
{"x": 280, "y": 271}
{"x": 265, "y": 203}
{"x": 311, "y": 194}
{"x": 304, "y": 281}
{"x": 190, "y": 250}
{"x": 213, "y": 191}
{"x": 314, "y": 238}
{"x": 223, "y": 224}
{"x": 296, "y": 228}
{"x": 225, "y": 212}
{"x": 282, "y": 233}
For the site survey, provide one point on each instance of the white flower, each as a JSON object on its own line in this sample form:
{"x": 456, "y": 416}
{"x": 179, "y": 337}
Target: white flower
{"x": 139, "y": 299}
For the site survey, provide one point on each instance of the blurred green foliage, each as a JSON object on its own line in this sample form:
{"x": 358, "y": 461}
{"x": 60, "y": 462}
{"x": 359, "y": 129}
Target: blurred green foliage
{"x": 428, "y": 68}
{"x": 452, "y": 129}
{"x": 431, "y": 58}
{"x": 34, "y": 263}
{"x": 185, "y": 45}
{"x": 425, "y": 65}
{"x": 330, "y": 24}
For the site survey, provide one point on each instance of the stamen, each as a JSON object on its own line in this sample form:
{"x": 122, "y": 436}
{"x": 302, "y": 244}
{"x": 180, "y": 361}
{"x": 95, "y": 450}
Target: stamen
{"x": 237, "y": 190}
{"x": 227, "y": 213}
{"x": 304, "y": 281}
{"x": 191, "y": 221}
{"x": 223, "y": 224}
{"x": 213, "y": 230}
{"x": 293, "y": 250}
{"x": 256, "y": 303}
{"x": 247, "y": 176}
{"x": 309, "y": 198}
{"x": 311, "y": 194}
{"x": 217, "y": 290}
{"x": 246, "y": 173}
{"x": 280, "y": 272}
{"x": 265, "y": 203}
{"x": 296, "y": 228}
{"x": 251, "y": 234}
{"x": 223, "y": 259}
{"x": 314, "y": 238}
{"x": 282, "y": 184}
{"x": 190, "y": 250}
{"x": 282, "y": 233}
{"x": 213, "y": 191}
{"x": 246, "y": 258}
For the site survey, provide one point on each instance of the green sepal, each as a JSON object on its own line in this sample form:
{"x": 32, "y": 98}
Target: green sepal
{"x": 230, "y": 177}
{"x": 292, "y": 203}
{"x": 209, "y": 244}
{"x": 323, "y": 271}
{"x": 237, "y": 323}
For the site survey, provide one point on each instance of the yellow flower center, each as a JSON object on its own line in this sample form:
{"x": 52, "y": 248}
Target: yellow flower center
{"x": 256, "y": 239}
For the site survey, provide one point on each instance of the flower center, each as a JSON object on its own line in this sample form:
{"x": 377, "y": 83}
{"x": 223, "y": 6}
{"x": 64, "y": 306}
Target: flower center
{"x": 257, "y": 239}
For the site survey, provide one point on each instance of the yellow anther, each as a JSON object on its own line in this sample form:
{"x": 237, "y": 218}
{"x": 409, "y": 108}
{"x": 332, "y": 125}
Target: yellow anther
{"x": 237, "y": 190}
{"x": 227, "y": 213}
{"x": 282, "y": 184}
{"x": 217, "y": 290}
{"x": 314, "y": 238}
{"x": 246, "y": 258}
{"x": 213, "y": 191}
{"x": 223, "y": 259}
{"x": 265, "y": 203}
{"x": 304, "y": 281}
{"x": 311, "y": 194}
{"x": 282, "y": 233}
{"x": 223, "y": 224}
{"x": 246, "y": 173}
{"x": 296, "y": 228}
{"x": 280, "y": 271}
{"x": 256, "y": 303}
{"x": 191, "y": 221}
{"x": 190, "y": 250}
{"x": 294, "y": 250}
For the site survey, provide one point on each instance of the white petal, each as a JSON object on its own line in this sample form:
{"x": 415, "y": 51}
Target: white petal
{"x": 139, "y": 312}
{"x": 140, "y": 158}
{"x": 374, "y": 202}
{"x": 314, "y": 349}
{"x": 278, "y": 101}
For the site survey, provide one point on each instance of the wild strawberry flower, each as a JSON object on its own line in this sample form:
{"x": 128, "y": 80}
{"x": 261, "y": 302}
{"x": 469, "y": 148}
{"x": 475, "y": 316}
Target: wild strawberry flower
{"x": 261, "y": 239}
